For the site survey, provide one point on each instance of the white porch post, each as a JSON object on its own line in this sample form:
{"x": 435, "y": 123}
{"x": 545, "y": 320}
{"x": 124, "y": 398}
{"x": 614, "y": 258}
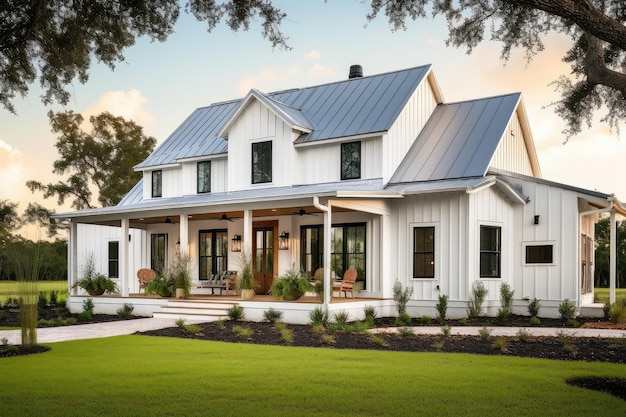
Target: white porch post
{"x": 184, "y": 234}
{"x": 247, "y": 232}
{"x": 613, "y": 258}
{"x": 72, "y": 249}
{"x": 328, "y": 289}
{"x": 124, "y": 279}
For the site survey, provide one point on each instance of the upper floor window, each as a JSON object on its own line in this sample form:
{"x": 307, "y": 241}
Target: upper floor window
{"x": 351, "y": 161}
{"x": 157, "y": 183}
{"x": 424, "y": 252}
{"x": 204, "y": 177}
{"x": 490, "y": 249}
{"x": 261, "y": 162}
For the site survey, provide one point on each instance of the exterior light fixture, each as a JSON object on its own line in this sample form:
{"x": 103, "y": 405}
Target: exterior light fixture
{"x": 178, "y": 247}
{"x": 536, "y": 220}
{"x": 283, "y": 241}
{"x": 235, "y": 245}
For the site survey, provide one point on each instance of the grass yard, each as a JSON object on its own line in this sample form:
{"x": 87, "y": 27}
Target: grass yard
{"x": 159, "y": 376}
{"x": 601, "y": 295}
{"x": 11, "y": 289}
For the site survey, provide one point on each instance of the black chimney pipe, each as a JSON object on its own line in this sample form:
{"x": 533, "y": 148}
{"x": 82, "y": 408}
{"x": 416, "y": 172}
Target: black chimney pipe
{"x": 356, "y": 71}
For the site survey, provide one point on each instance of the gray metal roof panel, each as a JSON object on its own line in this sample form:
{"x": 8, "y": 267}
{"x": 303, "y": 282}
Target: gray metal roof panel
{"x": 458, "y": 140}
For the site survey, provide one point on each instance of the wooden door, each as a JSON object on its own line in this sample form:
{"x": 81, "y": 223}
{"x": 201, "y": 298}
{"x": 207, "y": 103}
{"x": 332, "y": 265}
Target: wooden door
{"x": 265, "y": 254}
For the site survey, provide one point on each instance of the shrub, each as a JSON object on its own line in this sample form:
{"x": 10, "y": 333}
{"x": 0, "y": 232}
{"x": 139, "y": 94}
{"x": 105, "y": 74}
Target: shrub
{"x": 377, "y": 340}
{"x": 341, "y": 317}
{"x": 403, "y": 320}
{"x": 523, "y": 335}
{"x": 54, "y": 297}
{"x": 235, "y": 313}
{"x": 617, "y": 313}
{"x": 370, "y": 311}
{"x": 475, "y": 303}
{"x": 401, "y": 296}
{"x": 319, "y": 317}
{"x": 328, "y": 339}
{"x": 535, "y": 321}
{"x": 404, "y": 331}
{"x": 193, "y": 328}
{"x": 425, "y": 320}
{"x": 506, "y": 302}
{"x": 125, "y": 311}
{"x": 287, "y": 335}
{"x": 438, "y": 345}
{"x": 533, "y": 307}
{"x": 501, "y": 343}
{"x": 272, "y": 315}
{"x": 85, "y": 316}
{"x": 88, "y": 306}
{"x": 446, "y": 330}
{"x": 463, "y": 322}
{"x": 243, "y": 332}
{"x": 42, "y": 301}
{"x": 567, "y": 310}
{"x": 485, "y": 332}
{"x": 442, "y": 308}
{"x": 180, "y": 323}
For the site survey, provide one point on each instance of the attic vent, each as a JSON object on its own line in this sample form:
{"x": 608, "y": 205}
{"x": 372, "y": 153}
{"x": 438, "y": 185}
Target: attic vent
{"x": 356, "y": 71}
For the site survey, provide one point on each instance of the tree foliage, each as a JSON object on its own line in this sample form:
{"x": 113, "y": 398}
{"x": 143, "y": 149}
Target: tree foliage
{"x": 602, "y": 267}
{"x": 9, "y": 218}
{"x": 55, "y": 40}
{"x": 103, "y": 158}
{"x": 597, "y": 55}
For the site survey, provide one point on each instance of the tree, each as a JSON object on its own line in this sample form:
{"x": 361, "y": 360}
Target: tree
{"x": 602, "y": 261}
{"x": 597, "y": 55}
{"x": 55, "y": 40}
{"x": 9, "y": 219}
{"x": 104, "y": 158}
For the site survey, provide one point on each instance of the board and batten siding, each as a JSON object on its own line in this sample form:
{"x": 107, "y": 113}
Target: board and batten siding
{"x": 219, "y": 176}
{"x": 406, "y": 128}
{"x": 511, "y": 154}
{"x": 447, "y": 212}
{"x": 320, "y": 163}
{"x": 258, "y": 123}
{"x": 170, "y": 182}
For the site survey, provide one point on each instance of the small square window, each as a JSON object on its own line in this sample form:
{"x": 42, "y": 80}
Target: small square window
{"x": 351, "y": 161}
{"x": 157, "y": 184}
{"x": 204, "y": 177}
{"x": 261, "y": 162}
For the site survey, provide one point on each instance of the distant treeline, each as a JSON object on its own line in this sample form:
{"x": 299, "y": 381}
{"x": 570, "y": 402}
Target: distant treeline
{"x": 53, "y": 256}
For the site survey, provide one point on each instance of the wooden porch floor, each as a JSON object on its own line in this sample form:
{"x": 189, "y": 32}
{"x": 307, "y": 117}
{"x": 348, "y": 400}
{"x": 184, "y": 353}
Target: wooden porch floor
{"x": 257, "y": 298}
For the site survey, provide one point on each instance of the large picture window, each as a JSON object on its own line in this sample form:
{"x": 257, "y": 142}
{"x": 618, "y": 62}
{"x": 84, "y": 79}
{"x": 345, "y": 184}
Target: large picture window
{"x": 158, "y": 252}
{"x": 347, "y": 249}
{"x": 490, "y": 251}
{"x": 213, "y": 253}
{"x": 204, "y": 177}
{"x": 351, "y": 161}
{"x": 261, "y": 162}
{"x": 114, "y": 259}
{"x": 157, "y": 183}
{"x": 424, "y": 252}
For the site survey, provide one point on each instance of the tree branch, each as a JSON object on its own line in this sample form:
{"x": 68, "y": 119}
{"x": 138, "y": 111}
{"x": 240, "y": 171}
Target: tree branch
{"x": 596, "y": 69}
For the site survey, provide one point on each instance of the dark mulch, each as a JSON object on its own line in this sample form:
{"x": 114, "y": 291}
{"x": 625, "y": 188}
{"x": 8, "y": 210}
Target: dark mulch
{"x": 613, "y": 386}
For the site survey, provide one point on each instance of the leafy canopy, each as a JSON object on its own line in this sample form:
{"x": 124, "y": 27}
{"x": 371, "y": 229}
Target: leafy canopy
{"x": 103, "y": 158}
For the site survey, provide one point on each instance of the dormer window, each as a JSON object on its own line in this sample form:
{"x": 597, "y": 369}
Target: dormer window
{"x": 261, "y": 162}
{"x": 204, "y": 177}
{"x": 157, "y": 183}
{"x": 351, "y": 161}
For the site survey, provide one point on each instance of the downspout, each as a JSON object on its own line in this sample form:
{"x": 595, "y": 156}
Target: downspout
{"x": 327, "y": 230}
{"x": 580, "y": 227}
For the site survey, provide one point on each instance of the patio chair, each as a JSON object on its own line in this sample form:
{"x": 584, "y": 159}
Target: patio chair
{"x": 347, "y": 283}
{"x": 145, "y": 276}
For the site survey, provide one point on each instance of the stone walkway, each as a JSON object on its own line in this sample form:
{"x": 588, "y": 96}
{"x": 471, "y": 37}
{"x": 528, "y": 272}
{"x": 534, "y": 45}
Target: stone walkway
{"x": 117, "y": 328}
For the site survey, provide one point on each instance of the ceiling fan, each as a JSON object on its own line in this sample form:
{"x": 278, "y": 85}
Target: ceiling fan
{"x": 230, "y": 219}
{"x": 303, "y": 212}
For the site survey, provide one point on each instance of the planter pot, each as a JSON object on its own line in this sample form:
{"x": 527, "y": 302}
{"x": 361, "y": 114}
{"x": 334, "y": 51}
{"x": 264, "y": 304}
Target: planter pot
{"x": 180, "y": 293}
{"x": 95, "y": 293}
{"x": 293, "y": 296}
{"x": 247, "y": 294}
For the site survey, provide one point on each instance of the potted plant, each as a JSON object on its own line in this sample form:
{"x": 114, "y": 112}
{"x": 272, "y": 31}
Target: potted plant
{"x": 291, "y": 285}
{"x": 245, "y": 281}
{"x": 181, "y": 275}
{"x": 161, "y": 286}
{"x": 94, "y": 282}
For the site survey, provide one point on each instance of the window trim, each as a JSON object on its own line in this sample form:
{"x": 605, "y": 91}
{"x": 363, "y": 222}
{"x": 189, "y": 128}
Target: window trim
{"x": 157, "y": 192}
{"x": 207, "y": 186}
{"x": 165, "y": 246}
{"x": 343, "y": 175}
{"x": 252, "y": 163}
{"x": 113, "y": 260}
{"x": 499, "y": 251}
{"x": 555, "y": 252}
{"x": 411, "y": 250}
{"x": 215, "y": 240}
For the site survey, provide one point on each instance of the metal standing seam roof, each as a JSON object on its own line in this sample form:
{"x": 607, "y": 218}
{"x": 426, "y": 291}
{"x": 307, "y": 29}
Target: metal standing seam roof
{"x": 345, "y": 108}
{"x": 458, "y": 140}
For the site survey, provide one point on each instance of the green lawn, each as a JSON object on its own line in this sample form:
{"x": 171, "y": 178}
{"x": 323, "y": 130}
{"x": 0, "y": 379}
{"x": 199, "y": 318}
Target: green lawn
{"x": 158, "y": 376}
{"x": 601, "y": 295}
{"x": 11, "y": 289}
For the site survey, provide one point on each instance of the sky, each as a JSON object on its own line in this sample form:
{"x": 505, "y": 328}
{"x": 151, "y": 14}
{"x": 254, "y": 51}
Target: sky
{"x": 160, "y": 84}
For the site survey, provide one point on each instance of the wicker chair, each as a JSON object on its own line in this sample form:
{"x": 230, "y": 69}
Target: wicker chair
{"x": 347, "y": 283}
{"x": 145, "y": 276}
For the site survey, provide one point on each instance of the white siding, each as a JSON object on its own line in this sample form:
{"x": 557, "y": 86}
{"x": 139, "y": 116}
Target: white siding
{"x": 171, "y": 181}
{"x": 405, "y": 129}
{"x": 219, "y": 176}
{"x": 511, "y": 154}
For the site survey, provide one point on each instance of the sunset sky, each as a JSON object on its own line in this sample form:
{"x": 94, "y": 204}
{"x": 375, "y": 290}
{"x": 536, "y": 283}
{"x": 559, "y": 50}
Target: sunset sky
{"x": 160, "y": 84}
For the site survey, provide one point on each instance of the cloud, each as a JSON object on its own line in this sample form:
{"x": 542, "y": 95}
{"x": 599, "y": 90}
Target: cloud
{"x": 128, "y": 104}
{"x": 313, "y": 54}
{"x": 13, "y": 170}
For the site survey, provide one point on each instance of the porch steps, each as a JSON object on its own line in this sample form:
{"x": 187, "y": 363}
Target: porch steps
{"x": 196, "y": 310}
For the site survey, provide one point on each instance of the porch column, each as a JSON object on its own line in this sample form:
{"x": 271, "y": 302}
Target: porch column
{"x": 184, "y": 234}
{"x": 72, "y": 249}
{"x": 124, "y": 281}
{"x": 247, "y": 233}
{"x": 328, "y": 290}
{"x": 613, "y": 258}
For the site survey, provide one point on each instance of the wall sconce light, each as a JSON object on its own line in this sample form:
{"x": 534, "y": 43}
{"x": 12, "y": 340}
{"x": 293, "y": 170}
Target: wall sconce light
{"x": 536, "y": 220}
{"x": 283, "y": 241}
{"x": 235, "y": 245}
{"x": 178, "y": 247}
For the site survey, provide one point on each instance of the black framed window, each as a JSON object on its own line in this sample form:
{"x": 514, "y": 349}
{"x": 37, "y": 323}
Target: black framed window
{"x": 490, "y": 251}
{"x": 348, "y": 249}
{"x": 157, "y": 183}
{"x": 114, "y": 259}
{"x": 158, "y": 251}
{"x": 424, "y": 252}
{"x": 539, "y": 254}
{"x": 204, "y": 177}
{"x": 351, "y": 161}
{"x": 261, "y": 162}
{"x": 213, "y": 253}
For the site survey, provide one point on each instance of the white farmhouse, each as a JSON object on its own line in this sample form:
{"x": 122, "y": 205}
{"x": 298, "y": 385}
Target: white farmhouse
{"x": 375, "y": 173}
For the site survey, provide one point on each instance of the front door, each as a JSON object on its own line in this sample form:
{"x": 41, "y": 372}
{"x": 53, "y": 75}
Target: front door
{"x": 264, "y": 254}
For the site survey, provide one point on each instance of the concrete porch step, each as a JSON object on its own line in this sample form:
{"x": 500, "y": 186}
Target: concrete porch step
{"x": 195, "y": 310}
